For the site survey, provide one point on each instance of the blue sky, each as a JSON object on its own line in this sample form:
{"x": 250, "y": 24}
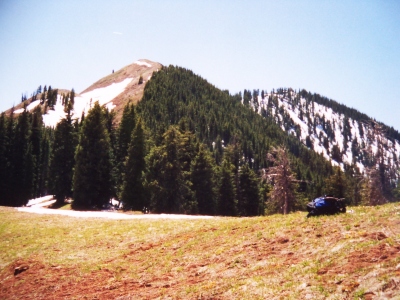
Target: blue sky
{"x": 348, "y": 51}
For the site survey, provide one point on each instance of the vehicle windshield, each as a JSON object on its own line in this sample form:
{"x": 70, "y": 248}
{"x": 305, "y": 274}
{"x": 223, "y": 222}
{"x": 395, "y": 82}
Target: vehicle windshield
{"x": 318, "y": 199}
{"x": 319, "y": 202}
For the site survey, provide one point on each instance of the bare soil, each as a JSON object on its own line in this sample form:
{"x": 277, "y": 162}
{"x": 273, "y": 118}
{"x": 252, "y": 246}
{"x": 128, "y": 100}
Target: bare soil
{"x": 134, "y": 91}
{"x": 348, "y": 256}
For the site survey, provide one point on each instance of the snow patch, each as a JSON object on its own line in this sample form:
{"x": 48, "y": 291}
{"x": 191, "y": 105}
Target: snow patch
{"x": 39, "y": 200}
{"x": 30, "y": 107}
{"x": 53, "y": 116}
{"x": 108, "y": 215}
{"x": 84, "y": 102}
{"x": 18, "y": 111}
{"x": 142, "y": 63}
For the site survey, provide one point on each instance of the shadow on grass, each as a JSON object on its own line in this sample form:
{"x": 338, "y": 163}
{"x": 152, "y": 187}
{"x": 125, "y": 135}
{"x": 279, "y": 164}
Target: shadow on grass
{"x": 60, "y": 205}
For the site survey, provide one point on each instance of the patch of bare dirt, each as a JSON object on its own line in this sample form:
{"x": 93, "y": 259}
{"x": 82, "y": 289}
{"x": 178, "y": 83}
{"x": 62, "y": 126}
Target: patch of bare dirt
{"x": 214, "y": 263}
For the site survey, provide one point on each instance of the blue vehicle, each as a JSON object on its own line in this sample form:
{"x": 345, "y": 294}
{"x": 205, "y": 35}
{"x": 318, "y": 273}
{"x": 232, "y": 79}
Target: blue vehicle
{"x": 326, "y": 205}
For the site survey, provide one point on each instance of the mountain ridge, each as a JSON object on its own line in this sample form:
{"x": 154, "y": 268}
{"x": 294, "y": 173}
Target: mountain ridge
{"x": 339, "y": 133}
{"x": 293, "y": 111}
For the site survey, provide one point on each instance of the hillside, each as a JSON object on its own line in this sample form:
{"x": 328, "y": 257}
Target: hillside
{"x": 177, "y": 96}
{"x": 113, "y": 91}
{"x": 317, "y": 133}
{"x": 348, "y": 256}
{"x": 340, "y": 134}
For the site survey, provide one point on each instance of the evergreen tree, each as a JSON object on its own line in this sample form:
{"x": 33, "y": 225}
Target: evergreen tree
{"x": 63, "y": 161}
{"x": 112, "y": 132}
{"x": 23, "y": 161}
{"x": 36, "y": 139}
{"x": 133, "y": 192}
{"x": 248, "y": 196}
{"x": 336, "y": 153}
{"x": 124, "y": 134}
{"x": 3, "y": 159}
{"x": 335, "y": 185}
{"x": 227, "y": 203}
{"x": 170, "y": 191}
{"x": 46, "y": 146}
{"x": 92, "y": 174}
{"x": 72, "y": 97}
{"x": 10, "y": 181}
{"x": 203, "y": 182}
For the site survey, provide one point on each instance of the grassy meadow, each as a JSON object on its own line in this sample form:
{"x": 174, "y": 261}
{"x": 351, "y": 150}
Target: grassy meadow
{"x": 349, "y": 256}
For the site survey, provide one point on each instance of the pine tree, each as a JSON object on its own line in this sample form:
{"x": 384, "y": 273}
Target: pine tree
{"x": 23, "y": 161}
{"x": 63, "y": 161}
{"x": 133, "y": 192}
{"x": 170, "y": 191}
{"x": 248, "y": 195}
{"x": 36, "y": 138}
{"x": 3, "y": 159}
{"x": 72, "y": 97}
{"x": 124, "y": 134}
{"x": 92, "y": 174}
{"x": 335, "y": 185}
{"x": 10, "y": 181}
{"x": 46, "y": 143}
{"x": 112, "y": 132}
{"x": 227, "y": 203}
{"x": 203, "y": 182}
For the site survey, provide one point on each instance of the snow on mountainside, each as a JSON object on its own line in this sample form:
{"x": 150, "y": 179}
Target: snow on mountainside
{"x": 337, "y": 137}
{"x": 113, "y": 91}
{"x": 340, "y": 134}
{"x": 85, "y": 101}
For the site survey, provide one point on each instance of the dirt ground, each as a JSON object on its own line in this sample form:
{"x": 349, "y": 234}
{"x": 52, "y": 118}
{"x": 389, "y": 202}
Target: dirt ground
{"x": 346, "y": 259}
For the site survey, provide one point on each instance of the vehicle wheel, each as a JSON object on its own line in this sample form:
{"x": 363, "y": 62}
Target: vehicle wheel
{"x": 311, "y": 214}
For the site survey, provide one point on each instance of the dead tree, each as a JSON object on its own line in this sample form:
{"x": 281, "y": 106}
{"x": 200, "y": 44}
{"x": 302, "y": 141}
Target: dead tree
{"x": 282, "y": 178}
{"x": 379, "y": 172}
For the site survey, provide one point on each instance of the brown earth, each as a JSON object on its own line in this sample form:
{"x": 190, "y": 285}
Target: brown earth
{"x": 347, "y": 256}
{"x": 134, "y": 91}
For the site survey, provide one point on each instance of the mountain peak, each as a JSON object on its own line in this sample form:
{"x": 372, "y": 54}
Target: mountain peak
{"x": 113, "y": 91}
{"x": 132, "y": 91}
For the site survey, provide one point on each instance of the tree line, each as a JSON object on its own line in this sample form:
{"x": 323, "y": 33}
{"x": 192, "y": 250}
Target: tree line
{"x": 186, "y": 147}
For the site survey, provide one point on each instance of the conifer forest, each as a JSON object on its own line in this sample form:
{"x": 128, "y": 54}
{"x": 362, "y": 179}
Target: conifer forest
{"x": 187, "y": 148}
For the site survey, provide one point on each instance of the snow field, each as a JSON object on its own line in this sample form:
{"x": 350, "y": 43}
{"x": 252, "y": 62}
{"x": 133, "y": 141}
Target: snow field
{"x": 85, "y": 101}
{"x": 337, "y": 122}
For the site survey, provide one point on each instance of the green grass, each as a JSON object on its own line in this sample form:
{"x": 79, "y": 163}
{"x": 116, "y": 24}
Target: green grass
{"x": 288, "y": 257}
